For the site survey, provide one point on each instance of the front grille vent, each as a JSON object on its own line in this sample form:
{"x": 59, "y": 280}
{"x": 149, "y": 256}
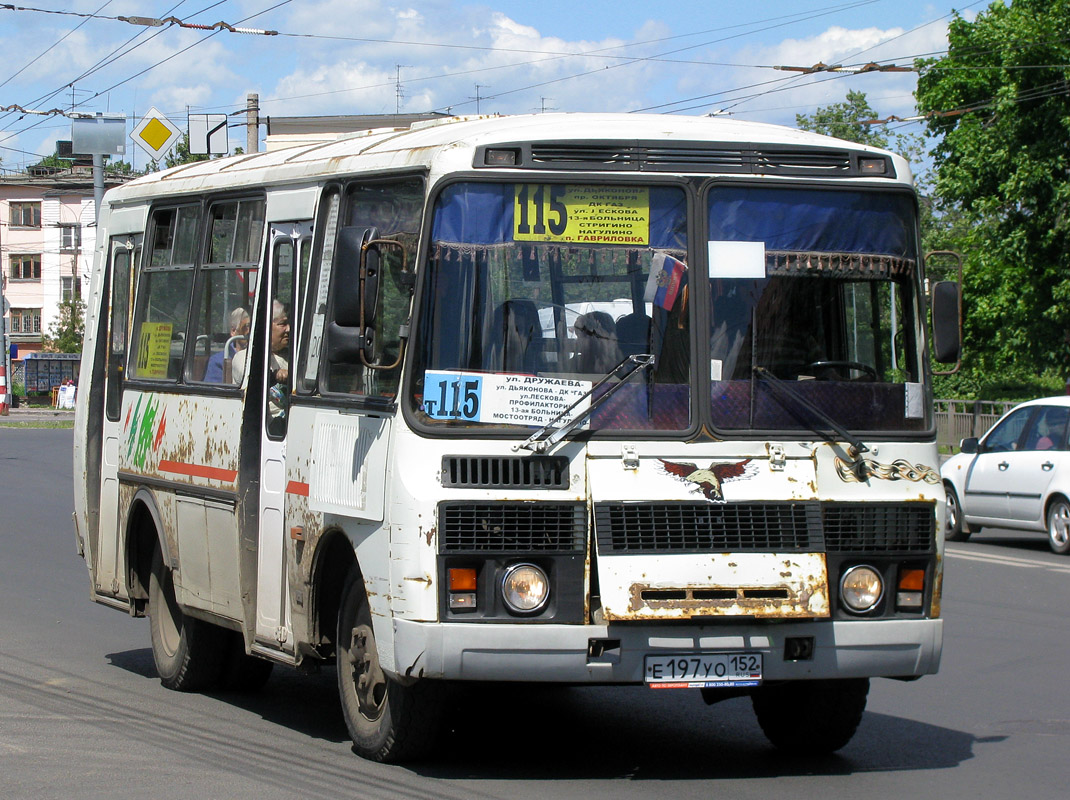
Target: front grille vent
{"x": 695, "y": 157}
{"x": 880, "y": 528}
{"x": 505, "y": 472}
{"x": 706, "y": 527}
{"x": 875, "y": 528}
{"x": 511, "y": 527}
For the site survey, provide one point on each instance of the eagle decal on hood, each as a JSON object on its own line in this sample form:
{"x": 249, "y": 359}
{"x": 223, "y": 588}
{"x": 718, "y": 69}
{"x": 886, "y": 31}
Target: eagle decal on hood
{"x": 709, "y": 480}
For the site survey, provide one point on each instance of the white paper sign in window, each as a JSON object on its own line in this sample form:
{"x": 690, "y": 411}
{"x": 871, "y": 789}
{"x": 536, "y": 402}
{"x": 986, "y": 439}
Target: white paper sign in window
{"x": 737, "y": 259}
{"x": 498, "y": 398}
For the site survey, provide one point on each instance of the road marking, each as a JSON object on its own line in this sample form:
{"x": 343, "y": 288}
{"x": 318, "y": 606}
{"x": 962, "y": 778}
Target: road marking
{"x": 1010, "y": 561}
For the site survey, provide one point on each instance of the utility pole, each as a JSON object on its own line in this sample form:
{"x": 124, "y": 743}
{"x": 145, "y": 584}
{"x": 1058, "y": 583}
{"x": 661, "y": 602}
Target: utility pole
{"x": 252, "y": 122}
{"x": 5, "y": 360}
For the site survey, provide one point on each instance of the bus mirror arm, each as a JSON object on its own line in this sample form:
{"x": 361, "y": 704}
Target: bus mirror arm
{"x": 553, "y": 433}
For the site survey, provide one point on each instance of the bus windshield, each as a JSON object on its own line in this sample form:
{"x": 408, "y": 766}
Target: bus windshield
{"x": 537, "y": 291}
{"x": 817, "y": 287}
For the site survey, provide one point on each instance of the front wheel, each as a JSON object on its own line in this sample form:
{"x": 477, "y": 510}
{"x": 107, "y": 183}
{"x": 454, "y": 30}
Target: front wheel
{"x": 1059, "y": 526}
{"x": 811, "y": 717}
{"x": 387, "y": 721}
{"x": 954, "y": 528}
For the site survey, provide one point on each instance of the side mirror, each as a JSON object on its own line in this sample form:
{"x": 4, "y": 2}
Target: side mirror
{"x": 945, "y": 306}
{"x": 969, "y": 445}
{"x": 354, "y": 297}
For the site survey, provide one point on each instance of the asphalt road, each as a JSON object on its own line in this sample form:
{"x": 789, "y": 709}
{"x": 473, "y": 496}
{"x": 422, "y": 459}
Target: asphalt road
{"x": 82, "y": 714}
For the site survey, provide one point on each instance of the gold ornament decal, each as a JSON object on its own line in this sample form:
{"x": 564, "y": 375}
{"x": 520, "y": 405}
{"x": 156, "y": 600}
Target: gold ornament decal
{"x": 863, "y": 469}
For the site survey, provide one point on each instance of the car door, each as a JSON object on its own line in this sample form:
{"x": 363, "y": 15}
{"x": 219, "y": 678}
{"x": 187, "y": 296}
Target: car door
{"x": 1036, "y": 465}
{"x": 994, "y": 471}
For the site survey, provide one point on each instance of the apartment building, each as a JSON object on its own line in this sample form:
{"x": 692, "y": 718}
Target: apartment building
{"x": 46, "y": 248}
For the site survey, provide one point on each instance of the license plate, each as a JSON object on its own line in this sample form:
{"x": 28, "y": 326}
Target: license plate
{"x": 703, "y": 670}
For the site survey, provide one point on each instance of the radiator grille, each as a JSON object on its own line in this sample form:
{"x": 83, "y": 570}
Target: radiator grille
{"x": 880, "y": 528}
{"x": 505, "y": 472}
{"x": 511, "y": 527}
{"x": 704, "y": 527}
{"x": 765, "y": 527}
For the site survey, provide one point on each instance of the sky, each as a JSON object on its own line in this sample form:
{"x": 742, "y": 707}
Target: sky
{"x": 331, "y": 57}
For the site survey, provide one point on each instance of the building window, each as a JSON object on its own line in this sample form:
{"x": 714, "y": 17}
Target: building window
{"x": 70, "y": 238}
{"x": 25, "y": 320}
{"x": 66, "y": 288}
{"x": 25, "y": 267}
{"x": 25, "y": 215}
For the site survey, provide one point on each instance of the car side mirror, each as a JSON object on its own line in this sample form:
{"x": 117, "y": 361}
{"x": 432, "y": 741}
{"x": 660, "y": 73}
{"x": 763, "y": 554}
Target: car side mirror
{"x": 970, "y": 445}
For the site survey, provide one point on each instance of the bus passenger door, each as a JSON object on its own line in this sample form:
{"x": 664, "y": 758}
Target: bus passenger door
{"x": 290, "y": 249}
{"x": 104, "y": 547}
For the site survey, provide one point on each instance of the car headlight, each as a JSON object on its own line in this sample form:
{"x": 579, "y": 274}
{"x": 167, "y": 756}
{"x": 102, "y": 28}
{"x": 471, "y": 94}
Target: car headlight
{"x": 861, "y": 588}
{"x": 525, "y": 588}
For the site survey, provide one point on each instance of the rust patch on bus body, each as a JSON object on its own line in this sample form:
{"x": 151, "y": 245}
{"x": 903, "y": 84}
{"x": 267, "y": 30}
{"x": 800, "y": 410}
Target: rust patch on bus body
{"x": 799, "y": 594}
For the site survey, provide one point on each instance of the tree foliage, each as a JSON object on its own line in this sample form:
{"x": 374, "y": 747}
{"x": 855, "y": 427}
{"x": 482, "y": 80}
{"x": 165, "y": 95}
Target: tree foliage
{"x": 67, "y": 330}
{"x": 1004, "y": 161}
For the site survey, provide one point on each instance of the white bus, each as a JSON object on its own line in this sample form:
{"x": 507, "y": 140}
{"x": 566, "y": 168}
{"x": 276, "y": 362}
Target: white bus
{"x": 570, "y": 398}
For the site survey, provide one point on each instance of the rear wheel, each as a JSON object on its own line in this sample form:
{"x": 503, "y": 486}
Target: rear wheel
{"x": 811, "y": 717}
{"x": 955, "y": 529}
{"x": 190, "y": 654}
{"x": 1059, "y": 526}
{"x": 388, "y": 721}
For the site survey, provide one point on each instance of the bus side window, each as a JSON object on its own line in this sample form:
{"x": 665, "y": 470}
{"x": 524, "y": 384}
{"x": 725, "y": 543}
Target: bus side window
{"x": 393, "y": 209}
{"x": 225, "y": 286}
{"x": 120, "y": 316}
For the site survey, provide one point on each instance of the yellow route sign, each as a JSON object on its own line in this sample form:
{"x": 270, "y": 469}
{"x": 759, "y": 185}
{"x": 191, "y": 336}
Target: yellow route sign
{"x": 609, "y": 214}
{"x": 155, "y": 134}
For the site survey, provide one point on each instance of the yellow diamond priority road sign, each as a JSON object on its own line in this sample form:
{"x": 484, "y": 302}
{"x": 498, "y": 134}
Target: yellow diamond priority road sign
{"x": 155, "y": 134}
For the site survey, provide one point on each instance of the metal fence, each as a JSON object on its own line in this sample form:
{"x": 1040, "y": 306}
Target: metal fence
{"x": 959, "y": 419}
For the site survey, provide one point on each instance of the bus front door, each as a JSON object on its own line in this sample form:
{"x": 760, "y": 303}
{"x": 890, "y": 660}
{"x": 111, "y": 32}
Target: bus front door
{"x": 290, "y": 247}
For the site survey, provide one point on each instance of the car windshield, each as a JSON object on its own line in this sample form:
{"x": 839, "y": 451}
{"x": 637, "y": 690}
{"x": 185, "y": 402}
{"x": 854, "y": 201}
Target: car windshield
{"x": 535, "y": 291}
{"x": 816, "y": 287}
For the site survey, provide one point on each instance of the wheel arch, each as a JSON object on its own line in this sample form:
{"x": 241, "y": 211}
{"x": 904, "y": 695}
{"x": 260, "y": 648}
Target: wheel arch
{"x": 331, "y": 563}
{"x": 144, "y": 532}
{"x": 1051, "y": 499}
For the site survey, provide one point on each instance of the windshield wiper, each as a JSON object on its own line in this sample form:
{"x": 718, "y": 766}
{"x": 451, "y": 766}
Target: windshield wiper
{"x": 783, "y": 391}
{"x": 553, "y": 434}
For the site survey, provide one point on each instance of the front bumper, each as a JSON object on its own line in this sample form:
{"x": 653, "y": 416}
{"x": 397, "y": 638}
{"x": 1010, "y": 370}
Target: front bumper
{"x": 579, "y": 653}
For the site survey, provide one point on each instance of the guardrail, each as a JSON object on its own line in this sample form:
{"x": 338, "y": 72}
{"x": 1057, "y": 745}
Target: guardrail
{"x": 958, "y": 419}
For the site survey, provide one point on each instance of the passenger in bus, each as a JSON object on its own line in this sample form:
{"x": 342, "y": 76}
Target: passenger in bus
{"x": 277, "y": 363}
{"x": 516, "y": 335}
{"x": 239, "y": 332}
{"x": 597, "y": 349}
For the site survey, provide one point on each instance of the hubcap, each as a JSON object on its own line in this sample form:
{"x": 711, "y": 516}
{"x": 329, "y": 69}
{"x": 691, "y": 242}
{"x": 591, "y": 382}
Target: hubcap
{"x": 952, "y": 514}
{"x": 1059, "y": 527}
{"x": 369, "y": 680}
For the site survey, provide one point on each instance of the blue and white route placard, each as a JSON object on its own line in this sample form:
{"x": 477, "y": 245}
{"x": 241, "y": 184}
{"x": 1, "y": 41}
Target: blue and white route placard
{"x": 500, "y": 399}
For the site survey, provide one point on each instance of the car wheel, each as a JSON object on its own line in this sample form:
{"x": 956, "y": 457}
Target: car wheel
{"x": 954, "y": 529}
{"x": 1059, "y": 526}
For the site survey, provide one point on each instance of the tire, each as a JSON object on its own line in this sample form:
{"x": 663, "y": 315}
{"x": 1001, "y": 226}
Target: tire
{"x": 190, "y": 654}
{"x": 388, "y": 721}
{"x": 955, "y": 529}
{"x": 1059, "y": 526}
{"x": 811, "y": 717}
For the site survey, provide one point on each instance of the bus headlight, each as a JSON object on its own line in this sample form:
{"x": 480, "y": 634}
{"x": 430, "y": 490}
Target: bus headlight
{"x": 525, "y": 588}
{"x": 861, "y": 588}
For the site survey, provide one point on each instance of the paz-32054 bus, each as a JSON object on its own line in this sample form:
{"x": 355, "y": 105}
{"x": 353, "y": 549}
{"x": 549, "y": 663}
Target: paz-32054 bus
{"x": 584, "y": 399}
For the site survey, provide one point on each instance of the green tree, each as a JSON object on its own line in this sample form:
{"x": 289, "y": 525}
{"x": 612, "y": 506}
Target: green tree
{"x": 67, "y": 330}
{"x": 998, "y": 101}
{"x": 845, "y": 121}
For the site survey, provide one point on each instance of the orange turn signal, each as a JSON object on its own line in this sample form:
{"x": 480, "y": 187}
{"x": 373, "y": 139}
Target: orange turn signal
{"x": 911, "y": 580}
{"x": 462, "y": 580}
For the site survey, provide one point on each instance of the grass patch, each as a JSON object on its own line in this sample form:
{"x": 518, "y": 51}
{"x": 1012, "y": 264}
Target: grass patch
{"x": 7, "y": 422}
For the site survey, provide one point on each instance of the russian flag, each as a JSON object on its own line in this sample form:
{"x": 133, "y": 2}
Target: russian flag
{"x": 663, "y": 285}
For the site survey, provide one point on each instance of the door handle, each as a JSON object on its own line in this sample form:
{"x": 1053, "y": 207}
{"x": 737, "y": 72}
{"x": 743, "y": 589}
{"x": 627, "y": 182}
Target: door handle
{"x": 1002, "y": 465}
{"x": 1047, "y": 466}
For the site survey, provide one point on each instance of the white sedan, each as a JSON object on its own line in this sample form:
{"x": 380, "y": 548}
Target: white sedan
{"x": 1016, "y": 476}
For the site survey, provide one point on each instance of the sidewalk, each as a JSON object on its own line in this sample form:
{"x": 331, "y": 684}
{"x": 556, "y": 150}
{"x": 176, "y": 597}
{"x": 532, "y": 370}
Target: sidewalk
{"x": 27, "y": 414}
